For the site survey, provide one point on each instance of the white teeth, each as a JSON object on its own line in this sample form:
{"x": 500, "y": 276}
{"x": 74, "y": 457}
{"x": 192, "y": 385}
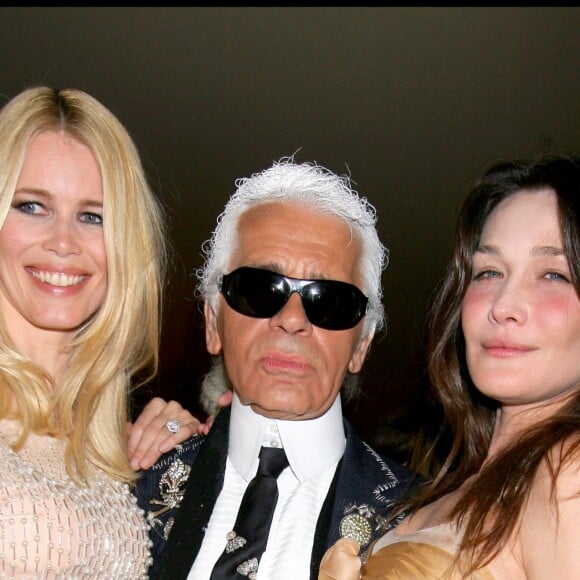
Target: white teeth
{"x": 57, "y": 278}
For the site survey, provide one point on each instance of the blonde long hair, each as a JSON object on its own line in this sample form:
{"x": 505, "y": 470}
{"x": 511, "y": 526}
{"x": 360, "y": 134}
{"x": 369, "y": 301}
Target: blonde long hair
{"x": 117, "y": 348}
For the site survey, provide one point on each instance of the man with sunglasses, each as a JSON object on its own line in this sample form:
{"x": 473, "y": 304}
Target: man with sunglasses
{"x": 292, "y": 291}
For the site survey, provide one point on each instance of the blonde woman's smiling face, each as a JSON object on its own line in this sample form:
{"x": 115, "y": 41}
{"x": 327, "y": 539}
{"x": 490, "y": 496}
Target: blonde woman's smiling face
{"x": 53, "y": 266}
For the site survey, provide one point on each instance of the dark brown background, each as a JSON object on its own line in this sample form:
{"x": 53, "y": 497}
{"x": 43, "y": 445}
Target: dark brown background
{"x": 413, "y": 102}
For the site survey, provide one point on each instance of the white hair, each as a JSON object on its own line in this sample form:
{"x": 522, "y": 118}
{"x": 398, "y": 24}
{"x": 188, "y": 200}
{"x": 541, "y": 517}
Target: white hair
{"x": 311, "y": 184}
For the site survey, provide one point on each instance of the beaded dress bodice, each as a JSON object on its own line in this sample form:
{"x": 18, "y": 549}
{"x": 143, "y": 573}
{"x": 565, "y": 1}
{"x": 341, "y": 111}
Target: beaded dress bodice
{"x": 52, "y": 528}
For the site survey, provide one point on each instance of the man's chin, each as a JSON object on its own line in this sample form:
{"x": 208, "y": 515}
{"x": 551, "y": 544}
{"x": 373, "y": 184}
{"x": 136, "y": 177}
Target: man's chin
{"x": 280, "y": 412}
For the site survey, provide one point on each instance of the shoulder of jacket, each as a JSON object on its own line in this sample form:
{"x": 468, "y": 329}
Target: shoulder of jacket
{"x": 185, "y": 452}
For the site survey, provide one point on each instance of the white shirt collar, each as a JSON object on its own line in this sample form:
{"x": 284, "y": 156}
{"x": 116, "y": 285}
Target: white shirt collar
{"x": 311, "y": 445}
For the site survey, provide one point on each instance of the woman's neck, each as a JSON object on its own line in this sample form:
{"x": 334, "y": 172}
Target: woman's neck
{"x": 45, "y": 348}
{"x": 514, "y": 421}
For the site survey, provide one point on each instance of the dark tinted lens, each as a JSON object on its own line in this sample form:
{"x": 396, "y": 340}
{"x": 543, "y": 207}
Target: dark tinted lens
{"x": 254, "y": 292}
{"x": 262, "y": 294}
{"x": 333, "y": 305}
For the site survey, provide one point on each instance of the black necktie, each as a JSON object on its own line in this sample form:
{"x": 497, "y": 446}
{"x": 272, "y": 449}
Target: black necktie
{"x": 247, "y": 541}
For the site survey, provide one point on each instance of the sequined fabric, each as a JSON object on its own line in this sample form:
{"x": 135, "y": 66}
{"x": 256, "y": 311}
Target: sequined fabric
{"x": 51, "y": 528}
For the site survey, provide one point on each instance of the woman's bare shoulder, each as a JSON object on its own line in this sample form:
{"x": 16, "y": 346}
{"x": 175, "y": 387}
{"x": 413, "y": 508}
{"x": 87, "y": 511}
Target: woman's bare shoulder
{"x": 549, "y": 532}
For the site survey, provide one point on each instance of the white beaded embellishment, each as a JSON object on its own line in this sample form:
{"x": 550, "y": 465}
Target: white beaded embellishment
{"x": 51, "y": 528}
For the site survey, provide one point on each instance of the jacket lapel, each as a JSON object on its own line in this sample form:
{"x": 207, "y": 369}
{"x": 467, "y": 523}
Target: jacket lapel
{"x": 363, "y": 479}
{"x": 203, "y": 487}
{"x": 322, "y": 526}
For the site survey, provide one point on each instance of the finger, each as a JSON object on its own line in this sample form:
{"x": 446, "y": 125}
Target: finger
{"x": 204, "y": 428}
{"x": 341, "y": 561}
{"x": 225, "y": 399}
{"x": 190, "y": 425}
{"x": 155, "y": 438}
{"x": 149, "y": 427}
{"x": 148, "y": 414}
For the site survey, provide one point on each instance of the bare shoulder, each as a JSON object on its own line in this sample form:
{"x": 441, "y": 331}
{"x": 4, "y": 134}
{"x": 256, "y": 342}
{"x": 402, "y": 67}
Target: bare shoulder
{"x": 550, "y": 534}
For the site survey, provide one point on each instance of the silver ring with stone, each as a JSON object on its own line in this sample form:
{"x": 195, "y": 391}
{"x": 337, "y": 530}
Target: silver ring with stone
{"x": 173, "y": 425}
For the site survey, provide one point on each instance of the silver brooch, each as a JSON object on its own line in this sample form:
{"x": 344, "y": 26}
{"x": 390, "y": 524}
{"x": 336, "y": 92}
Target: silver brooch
{"x": 248, "y": 568}
{"x": 167, "y": 527}
{"x": 235, "y": 542}
{"x": 358, "y": 523}
{"x": 171, "y": 490}
{"x": 172, "y": 483}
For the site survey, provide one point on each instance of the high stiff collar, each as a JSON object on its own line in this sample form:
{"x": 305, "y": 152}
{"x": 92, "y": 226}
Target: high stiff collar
{"x": 311, "y": 445}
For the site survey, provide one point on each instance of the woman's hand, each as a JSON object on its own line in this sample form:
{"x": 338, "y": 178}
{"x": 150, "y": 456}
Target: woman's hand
{"x": 341, "y": 561}
{"x": 224, "y": 400}
{"x": 149, "y": 437}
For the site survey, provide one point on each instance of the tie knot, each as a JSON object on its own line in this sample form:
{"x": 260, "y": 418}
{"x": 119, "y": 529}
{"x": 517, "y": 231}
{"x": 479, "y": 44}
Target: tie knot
{"x": 273, "y": 461}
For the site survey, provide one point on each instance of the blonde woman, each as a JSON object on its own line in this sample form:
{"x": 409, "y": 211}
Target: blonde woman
{"x": 82, "y": 264}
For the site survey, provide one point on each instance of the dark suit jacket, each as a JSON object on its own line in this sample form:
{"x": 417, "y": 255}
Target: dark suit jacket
{"x": 365, "y": 482}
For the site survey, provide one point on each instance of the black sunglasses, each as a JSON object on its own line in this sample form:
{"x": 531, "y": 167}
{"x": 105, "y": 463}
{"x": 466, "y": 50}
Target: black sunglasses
{"x": 258, "y": 293}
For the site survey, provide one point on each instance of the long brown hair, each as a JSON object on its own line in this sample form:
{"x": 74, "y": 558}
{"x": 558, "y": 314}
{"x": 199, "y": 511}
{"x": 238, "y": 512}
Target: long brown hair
{"x": 491, "y": 506}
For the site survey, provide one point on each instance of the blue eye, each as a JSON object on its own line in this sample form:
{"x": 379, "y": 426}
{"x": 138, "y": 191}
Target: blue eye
{"x": 91, "y": 218}
{"x": 556, "y": 276}
{"x": 486, "y": 274}
{"x": 30, "y": 207}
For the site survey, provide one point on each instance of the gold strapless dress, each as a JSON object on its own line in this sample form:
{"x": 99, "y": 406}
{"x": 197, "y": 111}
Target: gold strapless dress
{"x": 427, "y": 554}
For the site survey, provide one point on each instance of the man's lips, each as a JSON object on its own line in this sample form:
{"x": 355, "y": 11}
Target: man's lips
{"x": 284, "y": 362}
